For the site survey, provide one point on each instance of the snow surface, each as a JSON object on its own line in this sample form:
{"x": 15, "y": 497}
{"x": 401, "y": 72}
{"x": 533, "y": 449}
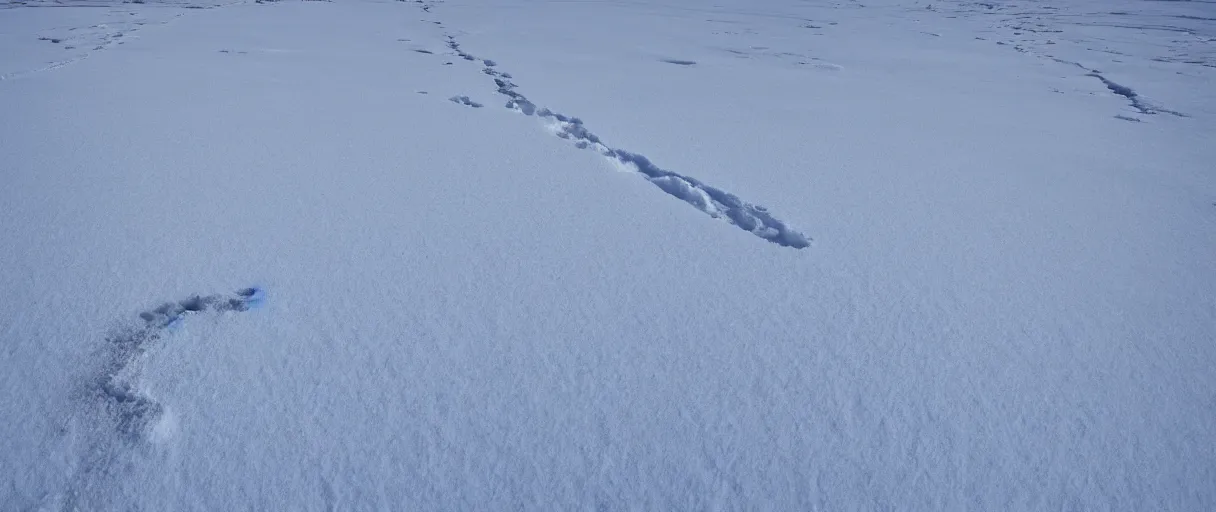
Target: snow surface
{"x": 567, "y": 255}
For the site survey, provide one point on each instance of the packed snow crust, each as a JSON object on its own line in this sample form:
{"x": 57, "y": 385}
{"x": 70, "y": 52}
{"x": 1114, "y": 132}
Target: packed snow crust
{"x": 609, "y": 255}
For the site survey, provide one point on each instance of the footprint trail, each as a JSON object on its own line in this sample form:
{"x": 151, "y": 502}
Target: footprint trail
{"x": 116, "y": 413}
{"x": 712, "y": 201}
{"x": 124, "y": 406}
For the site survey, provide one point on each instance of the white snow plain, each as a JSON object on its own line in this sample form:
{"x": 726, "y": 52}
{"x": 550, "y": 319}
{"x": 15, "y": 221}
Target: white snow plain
{"x": 608, "y": 255}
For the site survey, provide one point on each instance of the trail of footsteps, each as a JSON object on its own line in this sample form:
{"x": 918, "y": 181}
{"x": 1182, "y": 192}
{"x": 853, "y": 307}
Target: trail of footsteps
{"x": 713, "y": 201}
{"x": 1137, "y": 101}
{"x": 104, "y": 40}
{"x": 121, "y": 407}
{"x": 1021, "y": 23}
{"x": 117, "y": 413}
{"x": 116, "y": 416}
{"x": 98, "y": 37}
{"x": 125, "y": 407}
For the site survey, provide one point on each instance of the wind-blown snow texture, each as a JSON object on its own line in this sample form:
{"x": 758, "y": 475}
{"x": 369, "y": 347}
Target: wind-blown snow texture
{"x": 553, "y": 255}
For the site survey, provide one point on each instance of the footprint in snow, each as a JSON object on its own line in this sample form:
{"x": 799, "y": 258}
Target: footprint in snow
{"x": 464, "y": 100}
